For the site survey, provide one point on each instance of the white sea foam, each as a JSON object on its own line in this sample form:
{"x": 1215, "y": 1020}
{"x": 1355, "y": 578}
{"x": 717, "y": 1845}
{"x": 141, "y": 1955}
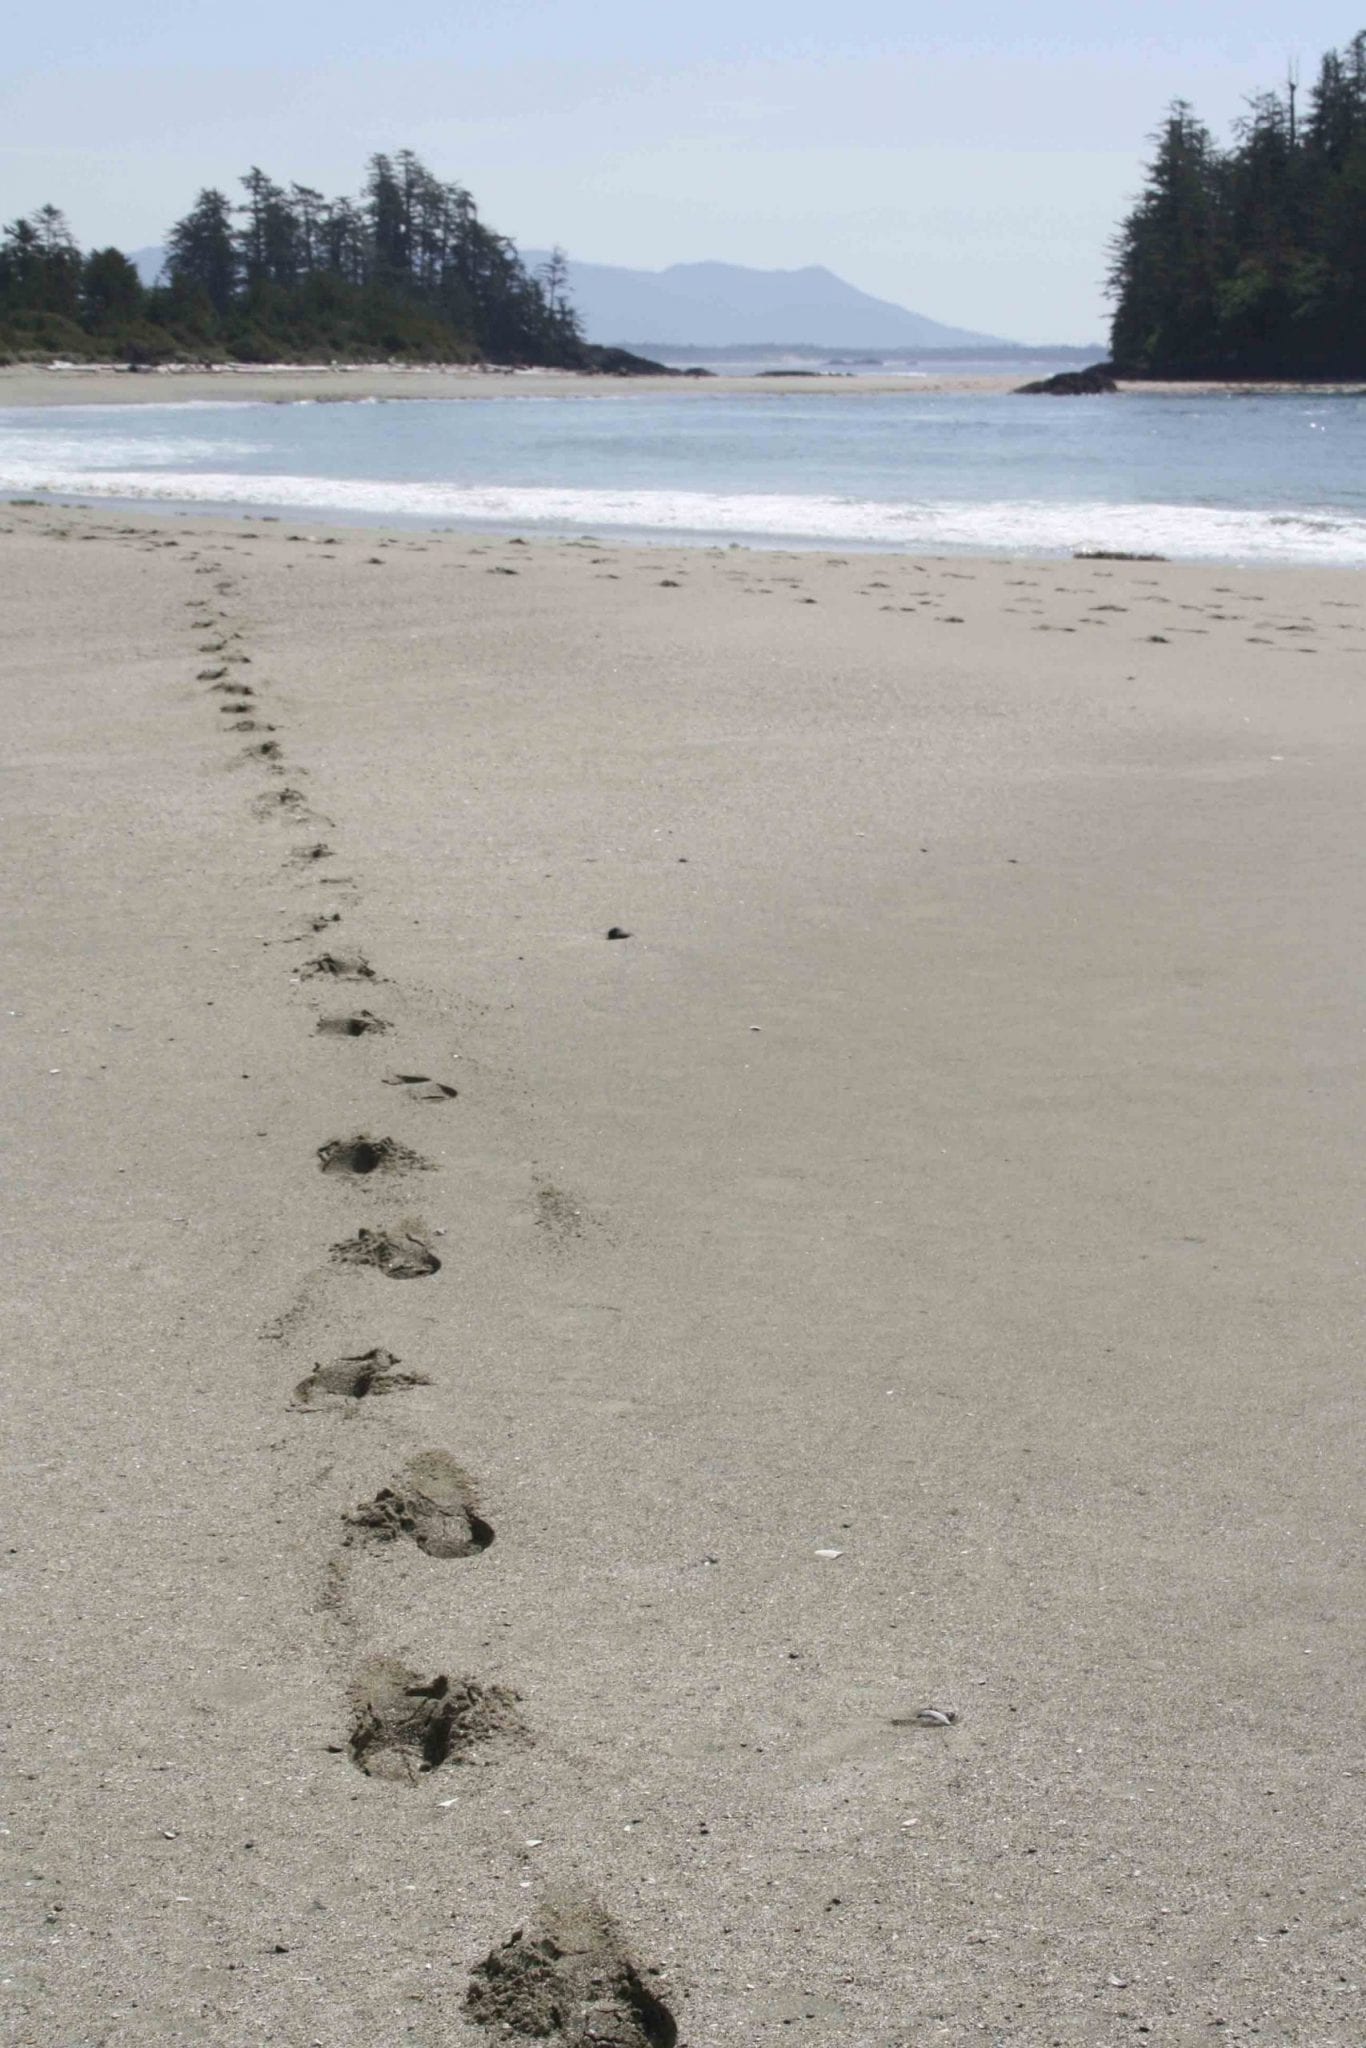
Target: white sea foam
{"x": 1191, "y": 532}
{"x": 80, "y": 408}
{"x": 69, "y": 454}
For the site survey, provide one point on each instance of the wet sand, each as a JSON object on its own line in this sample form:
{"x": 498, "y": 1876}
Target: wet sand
{"x": 35, "y": 384}
{"x": 916, "y": 1267}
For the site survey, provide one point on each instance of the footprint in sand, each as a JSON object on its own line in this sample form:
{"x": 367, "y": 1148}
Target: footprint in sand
{"x": 558, "y": 1214}
{"x": 339, "y": 967}
{"x": 289, "y": 804}
{"x": 403, "y": 1725}
{"x": 568, "y": 1978}
{"x": 432, "y": 1502}
{"x": 355, "y": 1026}
{"x": 398, "y": 1254}
{"x": 361, "y": 1156}
{"x": 367, "y": 1375}
{"x": 421, "y": 1087}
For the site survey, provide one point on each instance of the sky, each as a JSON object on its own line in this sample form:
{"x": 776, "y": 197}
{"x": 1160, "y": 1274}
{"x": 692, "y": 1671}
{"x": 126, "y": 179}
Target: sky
{"x": 970, "y": 162}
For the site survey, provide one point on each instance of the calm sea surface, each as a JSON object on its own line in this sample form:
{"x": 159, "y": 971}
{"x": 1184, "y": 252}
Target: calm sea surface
{"x": 1200, "y": 478}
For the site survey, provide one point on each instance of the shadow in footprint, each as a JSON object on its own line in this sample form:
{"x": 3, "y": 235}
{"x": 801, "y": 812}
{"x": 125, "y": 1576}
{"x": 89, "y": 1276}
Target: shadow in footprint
{"x": 431, "y": 1502}
{"x": 399, "y": 1255}
{"x": 403, "y": 1725}
{"x": 567, "y": 1977}
{"x": 362, "y": 1156}
{"x": 361, "y": 1378}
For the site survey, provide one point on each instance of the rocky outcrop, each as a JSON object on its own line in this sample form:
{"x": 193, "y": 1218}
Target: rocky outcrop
{"x": 620, "y": 362}
{"x": 1088, "y": 383}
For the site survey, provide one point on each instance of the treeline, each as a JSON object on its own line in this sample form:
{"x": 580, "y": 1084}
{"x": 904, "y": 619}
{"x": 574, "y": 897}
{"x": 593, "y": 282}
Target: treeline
{"x": 1250, "y": 261}
{"x": 407, "y": 270}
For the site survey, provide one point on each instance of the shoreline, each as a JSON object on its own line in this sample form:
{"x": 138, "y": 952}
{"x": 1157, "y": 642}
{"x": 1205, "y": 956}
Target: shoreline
{"x": 112, "y": 515}
{"x": 897, "y": 1306}
{"x": 33, "y": 385}
{"x": 331, "y": 527}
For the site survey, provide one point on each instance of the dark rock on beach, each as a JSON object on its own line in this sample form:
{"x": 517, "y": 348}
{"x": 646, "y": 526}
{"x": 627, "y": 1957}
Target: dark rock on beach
{"x": 1088, "y": 383}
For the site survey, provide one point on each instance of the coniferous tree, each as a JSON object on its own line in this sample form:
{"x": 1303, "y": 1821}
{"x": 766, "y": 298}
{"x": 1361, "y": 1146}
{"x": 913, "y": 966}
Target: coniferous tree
{"x": 407, "y": 270}
{"x": 309, "y": 209}
{"x": 200, "y": 255}
{"x": 386, "y": 220}
{"x": 111, "y": 291}
{"x": 267, "y": 242}
{"x": 1252, "y": 261}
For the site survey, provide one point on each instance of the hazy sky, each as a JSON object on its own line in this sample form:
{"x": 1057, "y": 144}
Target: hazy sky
{"x": 967, "y": 161}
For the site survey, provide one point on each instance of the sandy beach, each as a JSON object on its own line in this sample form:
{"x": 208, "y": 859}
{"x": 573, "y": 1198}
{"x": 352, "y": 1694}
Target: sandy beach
{"x": 850, "y": 1382}
{"x": 101, "y": 384}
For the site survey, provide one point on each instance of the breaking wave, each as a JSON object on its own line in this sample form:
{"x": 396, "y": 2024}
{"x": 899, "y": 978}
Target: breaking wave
{"x": 1188, "y": 532}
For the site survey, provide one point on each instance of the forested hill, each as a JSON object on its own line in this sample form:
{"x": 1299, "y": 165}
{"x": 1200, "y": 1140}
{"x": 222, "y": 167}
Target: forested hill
{"x": 1250, "y": 261}
{"x": 407, "y": 270}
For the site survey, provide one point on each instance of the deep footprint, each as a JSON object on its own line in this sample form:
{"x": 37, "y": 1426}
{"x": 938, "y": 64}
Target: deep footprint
{"x": 421, "y": 1087}
{"x": 567, "y": 1977}
{"x": 354, "y": 1026}
{"x": 432, "y": 1502}
{"x": 368, "y": 1374}
{"x": 340, "y": 967}
{"x": 361, "y": 1156}
{"x": 397, "y": 1254}
{"x": 403, "y": 1725}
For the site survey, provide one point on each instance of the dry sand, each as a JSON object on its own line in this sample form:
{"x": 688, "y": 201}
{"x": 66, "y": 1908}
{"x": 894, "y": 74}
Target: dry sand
{"x": 918, "y": 1268}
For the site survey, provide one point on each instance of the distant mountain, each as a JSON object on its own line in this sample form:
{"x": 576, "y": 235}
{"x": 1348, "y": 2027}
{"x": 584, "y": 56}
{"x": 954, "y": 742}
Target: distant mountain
{"x": 724, "y": 305}
{"x": 719, "y": 305}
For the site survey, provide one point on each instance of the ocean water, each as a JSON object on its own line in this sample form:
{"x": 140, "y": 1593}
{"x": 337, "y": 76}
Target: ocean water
{"x": 1200, "y": 478}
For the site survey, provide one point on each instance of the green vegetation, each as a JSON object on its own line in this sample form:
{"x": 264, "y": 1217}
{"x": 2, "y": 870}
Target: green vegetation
{"x": 407, "y": 271}
{"x": 1251, "y": 261}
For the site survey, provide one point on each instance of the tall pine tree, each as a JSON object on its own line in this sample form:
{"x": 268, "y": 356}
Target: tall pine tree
{"x": 1251, "y": 261}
